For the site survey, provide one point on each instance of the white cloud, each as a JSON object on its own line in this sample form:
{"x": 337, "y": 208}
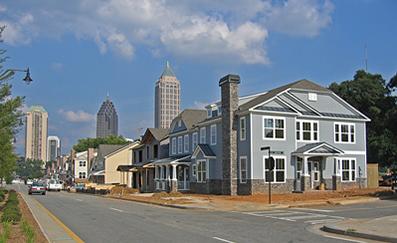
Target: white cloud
{"x": 56, "y": 66}
{"x": 77, "y": 116}
{"x": 235, "y": 31}
{"x": 300, "y": 17}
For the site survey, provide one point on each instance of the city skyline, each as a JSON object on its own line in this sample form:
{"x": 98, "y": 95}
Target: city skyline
{"x": 36, "y": 130}
{"x": 107, "y": 119}
{"x": 324, "y": 46}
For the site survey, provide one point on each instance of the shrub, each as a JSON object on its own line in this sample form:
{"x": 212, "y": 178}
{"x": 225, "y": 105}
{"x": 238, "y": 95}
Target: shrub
{"x": 6, "y": 232}
{"x": 28, "y": 231}
{"x": 11, "y": 212}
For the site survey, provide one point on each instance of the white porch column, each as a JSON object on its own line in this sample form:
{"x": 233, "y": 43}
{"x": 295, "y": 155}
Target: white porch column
{"x": 155, "y": 172}
{"x": 305, "y": 166}
{"x": 167, "y": 169}
{"x": 174, "y": 172}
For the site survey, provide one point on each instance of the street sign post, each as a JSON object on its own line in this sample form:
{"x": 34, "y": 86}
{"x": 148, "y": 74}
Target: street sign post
{"x": 270, "y": 165}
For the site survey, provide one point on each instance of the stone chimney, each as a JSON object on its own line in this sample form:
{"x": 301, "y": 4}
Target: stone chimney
{"x": 229, "y": 98}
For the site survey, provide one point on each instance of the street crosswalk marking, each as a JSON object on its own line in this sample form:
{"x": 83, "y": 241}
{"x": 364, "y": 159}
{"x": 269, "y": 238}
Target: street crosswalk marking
{"x": 297, "y": 216}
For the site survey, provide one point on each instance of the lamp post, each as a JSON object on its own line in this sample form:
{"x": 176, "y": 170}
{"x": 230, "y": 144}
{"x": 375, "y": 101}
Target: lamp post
{"x": 270, "y": 165}
{"x": 10, "y": 72}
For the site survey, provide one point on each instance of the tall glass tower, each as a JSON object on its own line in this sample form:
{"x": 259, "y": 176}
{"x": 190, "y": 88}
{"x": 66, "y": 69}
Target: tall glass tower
{"x": 167, "y": 98}
{"x": 107, "y": 120}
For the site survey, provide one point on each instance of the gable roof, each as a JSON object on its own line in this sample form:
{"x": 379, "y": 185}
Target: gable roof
{"x": 191, "y": 116}
{"x": 205, "y": 149}
{"x": 318, "y": 149}
{"x": 300, "y": 84}
{"x": 105, "y": 149}
{"x": 158, "y": 133}
{"x": 125, "y": 146}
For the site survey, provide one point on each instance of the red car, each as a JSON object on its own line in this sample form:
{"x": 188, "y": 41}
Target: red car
{"x": 37, "y": 188}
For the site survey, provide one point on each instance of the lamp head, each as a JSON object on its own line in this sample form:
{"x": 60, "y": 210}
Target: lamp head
{"x": 27, "y": 78}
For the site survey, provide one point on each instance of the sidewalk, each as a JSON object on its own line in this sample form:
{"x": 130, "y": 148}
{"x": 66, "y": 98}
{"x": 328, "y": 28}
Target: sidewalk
{"x": 379, "y": 229}
{"x": 51, "y": 226}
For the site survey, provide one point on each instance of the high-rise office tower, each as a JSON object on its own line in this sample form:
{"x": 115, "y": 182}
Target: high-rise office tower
{"x": 167, "y": 98}
{"x": 107, "y": 120}
{"x": 36, "y": 133}
{"x": 53, "y": 148}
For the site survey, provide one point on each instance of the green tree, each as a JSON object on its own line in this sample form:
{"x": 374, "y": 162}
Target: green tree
{"x": 371, "y": 95}
{"x": 30, "y": 168}
{"x": 10, "y": 119}
{"x": 85, "y": 143}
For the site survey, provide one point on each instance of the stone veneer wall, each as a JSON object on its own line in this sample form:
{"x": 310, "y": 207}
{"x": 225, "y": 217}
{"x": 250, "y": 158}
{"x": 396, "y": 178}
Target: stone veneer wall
{"x": 259, "y": 186}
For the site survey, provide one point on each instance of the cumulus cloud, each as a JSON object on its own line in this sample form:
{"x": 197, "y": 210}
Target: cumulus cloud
{"x": 231, "y": 30}
{"x": 77, "y": 116}
{"x": 300, "y": 17}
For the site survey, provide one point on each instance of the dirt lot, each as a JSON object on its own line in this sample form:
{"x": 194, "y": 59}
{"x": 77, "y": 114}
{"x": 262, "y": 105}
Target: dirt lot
{"x": 221, "y": 202}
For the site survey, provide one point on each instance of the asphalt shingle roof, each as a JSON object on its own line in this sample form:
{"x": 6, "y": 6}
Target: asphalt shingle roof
{"x": 300, "y": 84}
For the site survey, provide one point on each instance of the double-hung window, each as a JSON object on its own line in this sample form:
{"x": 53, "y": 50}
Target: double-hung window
{"x": 179, "y": 145}
{"x": 213, "y": 134}
{"x": 186, "y": 143}
{"x": 344, "y": 132}
{"x": 194, "y": 140}
{"x": 348, "y": 169}
{"x": 307, "y": 131}
{"x": 243, "y": 169}
{"x": 243, "y": 128}
{"x": 278, "y": 174}
{"x": 273, "y": 128}
{"x": 173, "y": 145}
{"x": 203, "y": 135}
{"x": 201, "y": 170}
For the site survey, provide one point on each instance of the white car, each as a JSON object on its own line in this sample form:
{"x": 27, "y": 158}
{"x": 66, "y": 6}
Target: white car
{"x": 54, "y": 185}
{"x": 29, "y": 182}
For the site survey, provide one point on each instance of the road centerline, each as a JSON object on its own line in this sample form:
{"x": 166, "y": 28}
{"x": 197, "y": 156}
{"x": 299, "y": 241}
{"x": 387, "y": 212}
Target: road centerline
{"x": 221, "y": 239}
{"x": 116, "y": 209}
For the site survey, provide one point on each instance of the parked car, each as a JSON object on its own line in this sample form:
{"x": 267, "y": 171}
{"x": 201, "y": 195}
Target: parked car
{"x": 29, "y": 182}
{"x": 388, "y": 180}
{"x": 37, "y": 187}
{"x": 54, "y": 185}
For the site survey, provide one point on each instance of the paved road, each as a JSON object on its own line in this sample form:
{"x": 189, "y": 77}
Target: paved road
{"x": 98, "y": 219}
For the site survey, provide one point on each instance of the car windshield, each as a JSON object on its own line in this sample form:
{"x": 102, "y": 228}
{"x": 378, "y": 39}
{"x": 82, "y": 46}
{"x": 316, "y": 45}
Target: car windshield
{"x": 38, "y": 184}
{"x": 52, "y": 181}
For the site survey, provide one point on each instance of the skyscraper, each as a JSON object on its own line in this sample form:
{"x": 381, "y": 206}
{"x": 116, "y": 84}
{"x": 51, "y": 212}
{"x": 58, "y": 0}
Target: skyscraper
{"x": 53, "y": 148}
{"x": 107, "y": 120}
{"x": 36, "y": 133}
{"x": 167, "y": 98}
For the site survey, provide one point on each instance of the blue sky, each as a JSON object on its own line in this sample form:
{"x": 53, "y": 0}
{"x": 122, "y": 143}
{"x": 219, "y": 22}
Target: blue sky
{"x": 78, "y": 51}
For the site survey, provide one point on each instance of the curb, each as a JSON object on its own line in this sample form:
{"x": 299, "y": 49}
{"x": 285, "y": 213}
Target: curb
{"x": 335, "y": 230}
{"x": 155, "y": 203}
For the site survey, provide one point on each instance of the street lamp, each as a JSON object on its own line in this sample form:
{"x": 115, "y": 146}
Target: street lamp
{"x": 10, "y": 72}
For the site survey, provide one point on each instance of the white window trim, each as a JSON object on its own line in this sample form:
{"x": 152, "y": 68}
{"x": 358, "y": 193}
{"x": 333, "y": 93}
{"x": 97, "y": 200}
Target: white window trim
{"x": 180, "y": 144}
{"x": 311, "y": 131}
{"x": 274, "y": 129}
{"x": 203, "y": 134}
{"x": 274, "y": 171}
{"x": 212, "y": 129}
{"x": 186, "y": 143}
{"x": 194, "y": 141}
{"x": 173, "y": 146}
{"x": 243, "y": 135}
{"x": 340, "y": 164}
{"x": 246, "y": 169}
{"x": 349, "y": 132}
{"x": 316, "y": 171}
{"x": 203, "y": 180}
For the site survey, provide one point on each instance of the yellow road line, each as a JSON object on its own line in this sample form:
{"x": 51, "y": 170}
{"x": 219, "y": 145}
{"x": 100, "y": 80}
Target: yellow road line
{"x": 59, "y": 222}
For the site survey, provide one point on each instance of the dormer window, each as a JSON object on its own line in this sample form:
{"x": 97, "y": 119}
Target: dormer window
{"x": 179, "y": 123}
{"x": 312, "y": 97}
